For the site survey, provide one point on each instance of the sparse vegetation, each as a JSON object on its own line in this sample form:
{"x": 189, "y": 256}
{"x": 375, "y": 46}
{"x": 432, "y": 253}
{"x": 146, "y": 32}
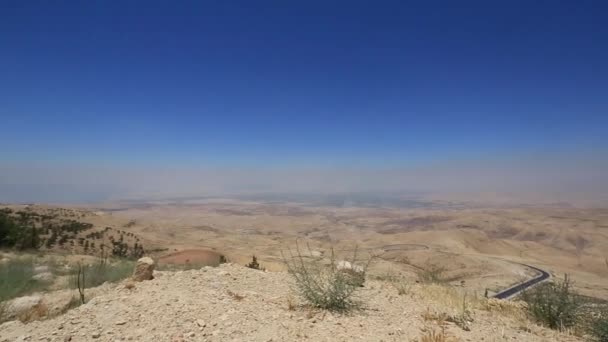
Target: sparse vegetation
{"x": 599, "y": 327}
{"x": 181, "y": 267}
{"x": 27, "y": 229}
{"x": 400, "y": 283}
{"x": 325, "y": 286}
{"x": 554, "y": 304}
{"x": 432, "y": 273}
{"x": 16, "y": 278}
{"x": 463, "y": 318}
{"x": 254, "y": 264}
{"x": 104, "y": 270}
{"x": 436, "y": 335}
{"x": 81, "y": 283}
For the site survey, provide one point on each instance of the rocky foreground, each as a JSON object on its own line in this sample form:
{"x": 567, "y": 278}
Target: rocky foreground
{"x": 235, "y": 303}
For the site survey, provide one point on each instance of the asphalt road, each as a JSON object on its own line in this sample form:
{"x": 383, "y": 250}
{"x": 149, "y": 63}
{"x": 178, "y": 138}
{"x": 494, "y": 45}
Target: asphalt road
{"x": 512, "y": 291}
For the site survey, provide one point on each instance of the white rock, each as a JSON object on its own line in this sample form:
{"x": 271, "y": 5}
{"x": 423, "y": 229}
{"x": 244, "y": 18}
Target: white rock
{"x": 345, "y": 265}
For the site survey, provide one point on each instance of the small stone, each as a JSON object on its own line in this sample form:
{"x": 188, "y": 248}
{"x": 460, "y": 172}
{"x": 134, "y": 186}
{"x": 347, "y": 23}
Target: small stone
{"x": 201, "y": 323}
{"x": 96, "y": 334}
{"x": 121, "y": 322}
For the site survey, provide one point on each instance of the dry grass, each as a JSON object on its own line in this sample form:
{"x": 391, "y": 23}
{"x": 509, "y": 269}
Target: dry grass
{"x": 35, "y": 313}
{"x": 399, "y": 282}
{"x": 437, "y": 333}
{"x": 453, "y": 305}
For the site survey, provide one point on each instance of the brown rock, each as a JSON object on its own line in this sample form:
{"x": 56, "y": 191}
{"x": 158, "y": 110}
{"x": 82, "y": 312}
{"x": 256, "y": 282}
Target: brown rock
{"x": 143, "y": 269}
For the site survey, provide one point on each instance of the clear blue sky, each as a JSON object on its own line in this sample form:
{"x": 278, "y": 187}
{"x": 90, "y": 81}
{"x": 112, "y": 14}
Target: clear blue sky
{"x": 300, "y": 82}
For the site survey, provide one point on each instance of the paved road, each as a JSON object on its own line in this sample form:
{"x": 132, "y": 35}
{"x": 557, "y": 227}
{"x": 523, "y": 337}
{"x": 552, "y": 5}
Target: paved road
{"x": 504, "y": 294}
{"x": 512, "y": 291}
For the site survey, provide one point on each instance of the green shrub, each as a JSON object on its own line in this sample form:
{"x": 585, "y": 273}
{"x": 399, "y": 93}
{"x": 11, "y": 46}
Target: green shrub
{"x": 599, "y": 328}
{"x": 554, "y": 304}
{"x": 16, "y": 278}
{"x": 104, "y": 270}
{"x": 325, "y": 286}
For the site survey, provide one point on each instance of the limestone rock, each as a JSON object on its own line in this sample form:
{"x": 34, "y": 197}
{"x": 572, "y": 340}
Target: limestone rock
{"x": 144, "y": 269}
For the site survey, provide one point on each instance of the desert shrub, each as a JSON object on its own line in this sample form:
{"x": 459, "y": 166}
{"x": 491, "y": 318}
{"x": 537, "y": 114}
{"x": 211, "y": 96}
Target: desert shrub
{"x": 554, "y": 304}
{"x": 16, "y": 278}
{"x": 103, "y": 271}
{"x": 432, "y": 273}
{"x": 325, "y": 286}
{"x": 436, "y": 335}
{"x": 599, "y": 328}
{"x": 399, "y": 282}
{"x": 255, "y": 264}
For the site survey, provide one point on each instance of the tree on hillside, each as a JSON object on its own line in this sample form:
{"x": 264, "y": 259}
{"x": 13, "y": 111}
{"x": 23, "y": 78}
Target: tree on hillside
{"x": 7, "y": 228}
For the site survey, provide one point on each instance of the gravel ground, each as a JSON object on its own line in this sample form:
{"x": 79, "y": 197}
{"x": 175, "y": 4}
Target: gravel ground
{"x": 234, "y": 303}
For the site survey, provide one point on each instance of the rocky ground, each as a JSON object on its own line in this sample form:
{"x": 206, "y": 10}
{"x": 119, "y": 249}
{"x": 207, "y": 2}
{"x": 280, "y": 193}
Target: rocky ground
{"x": 235, "y": 303}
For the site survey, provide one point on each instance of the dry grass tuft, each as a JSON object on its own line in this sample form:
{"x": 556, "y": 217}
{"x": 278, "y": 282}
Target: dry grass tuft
{"x": 35, "y": 313}
{"x": 429, "y": 315}
{"x": 437, "y": 334}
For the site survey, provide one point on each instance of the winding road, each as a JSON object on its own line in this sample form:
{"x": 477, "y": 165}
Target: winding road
{"x": 512, "y": 291}
{"x": 504, "y": 294}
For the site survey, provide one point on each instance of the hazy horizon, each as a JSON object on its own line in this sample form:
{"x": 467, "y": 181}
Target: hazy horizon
{"x": 111, "y": 100}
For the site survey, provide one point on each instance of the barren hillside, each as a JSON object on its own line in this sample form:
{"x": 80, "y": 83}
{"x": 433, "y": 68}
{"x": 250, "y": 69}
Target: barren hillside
{"x": 234, "y": 303}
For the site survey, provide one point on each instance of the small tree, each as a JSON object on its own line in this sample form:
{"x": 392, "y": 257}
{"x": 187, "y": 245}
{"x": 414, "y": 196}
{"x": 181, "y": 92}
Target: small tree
{"x": 80, "y": 281}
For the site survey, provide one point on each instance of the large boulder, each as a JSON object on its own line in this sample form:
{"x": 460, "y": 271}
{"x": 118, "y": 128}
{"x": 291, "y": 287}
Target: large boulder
{"x": 144, "y": 269}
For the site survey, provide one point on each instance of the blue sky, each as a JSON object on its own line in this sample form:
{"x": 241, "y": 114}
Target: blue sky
{"x": 309, "y": 83}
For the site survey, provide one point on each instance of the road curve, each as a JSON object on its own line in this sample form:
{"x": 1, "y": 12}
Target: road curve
{"x": 504, "y": 294}
{"x": 512, "y": 291}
